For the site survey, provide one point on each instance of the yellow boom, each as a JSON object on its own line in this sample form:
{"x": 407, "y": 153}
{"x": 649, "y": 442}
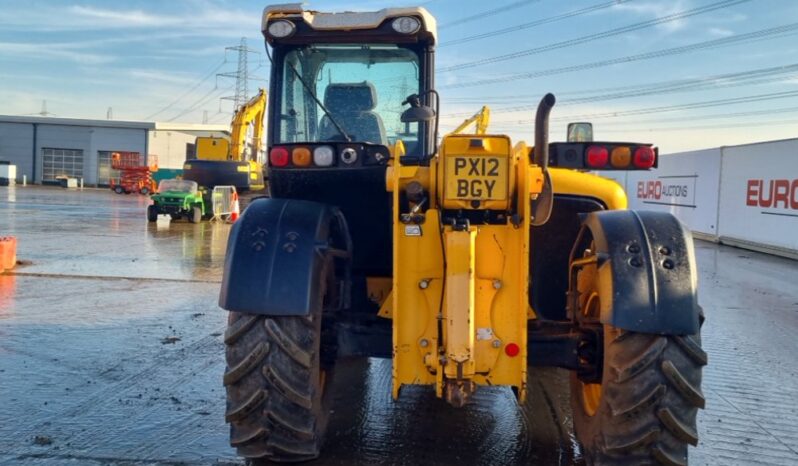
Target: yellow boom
{"x": 481, "y": 119}
{"x": 249, "y": 113}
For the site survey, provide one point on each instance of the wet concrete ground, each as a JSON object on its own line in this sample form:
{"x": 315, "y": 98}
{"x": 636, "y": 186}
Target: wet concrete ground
{"x": 111, "y": 354}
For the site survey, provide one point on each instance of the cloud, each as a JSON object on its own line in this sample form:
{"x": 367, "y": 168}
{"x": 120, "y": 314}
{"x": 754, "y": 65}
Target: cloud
{"x": 161, "y": 76}
{"x": 657, "y": 9}
{"x": 57, "y": 51}
{"x": 721, "y": 32}
{"x": 117, "y": 18}
{"x": 208, "y": 18}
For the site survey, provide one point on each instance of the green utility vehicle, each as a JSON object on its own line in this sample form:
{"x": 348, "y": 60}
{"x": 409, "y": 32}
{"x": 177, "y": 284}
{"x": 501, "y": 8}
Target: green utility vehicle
{"x": 177, "y": 198}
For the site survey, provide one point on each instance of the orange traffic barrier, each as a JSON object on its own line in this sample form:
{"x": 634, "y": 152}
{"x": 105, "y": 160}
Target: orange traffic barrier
{"x": 8, "y": 252}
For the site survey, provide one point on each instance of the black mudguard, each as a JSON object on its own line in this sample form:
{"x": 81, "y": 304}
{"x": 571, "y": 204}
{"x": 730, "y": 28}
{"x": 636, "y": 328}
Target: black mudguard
{"x": 649, "y": 262}
{"x": 275, "y": 254}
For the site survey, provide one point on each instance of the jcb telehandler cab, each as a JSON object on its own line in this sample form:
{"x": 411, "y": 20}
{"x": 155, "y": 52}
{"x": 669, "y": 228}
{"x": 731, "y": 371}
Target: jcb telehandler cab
{"x": 465, "y": 261}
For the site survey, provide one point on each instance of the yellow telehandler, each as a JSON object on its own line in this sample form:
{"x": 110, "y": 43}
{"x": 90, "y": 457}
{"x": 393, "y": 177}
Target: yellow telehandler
{"x": 465, "y": 260}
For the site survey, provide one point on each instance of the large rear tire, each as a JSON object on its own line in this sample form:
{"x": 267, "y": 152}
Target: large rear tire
{"x": 644, "y": 410}
{"x": 277, "y": 372}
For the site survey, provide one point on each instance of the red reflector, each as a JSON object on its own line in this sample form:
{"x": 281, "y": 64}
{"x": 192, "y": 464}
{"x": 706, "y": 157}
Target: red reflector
{"x": 512, "y": 350}
{"x": 279, "y": 157}
{"x": 597, "y": 156}
{"x": 644, "y": 157}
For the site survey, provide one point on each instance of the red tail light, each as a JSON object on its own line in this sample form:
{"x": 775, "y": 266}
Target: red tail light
{"x": 597, "y": 156}
{"x": 644, "y": 157}
{"x": 278, "y": 157}
{"x": 512, "y": 350}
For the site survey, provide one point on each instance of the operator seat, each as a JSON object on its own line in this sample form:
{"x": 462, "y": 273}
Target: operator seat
{"x": 352, "y": 105}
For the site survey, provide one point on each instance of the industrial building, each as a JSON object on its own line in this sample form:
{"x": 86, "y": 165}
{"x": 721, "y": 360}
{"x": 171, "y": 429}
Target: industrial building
{"x": 47, "y": 148}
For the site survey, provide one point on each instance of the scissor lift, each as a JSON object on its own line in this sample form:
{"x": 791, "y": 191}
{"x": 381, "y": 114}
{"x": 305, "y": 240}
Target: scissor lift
{"x": 135, "y": 173}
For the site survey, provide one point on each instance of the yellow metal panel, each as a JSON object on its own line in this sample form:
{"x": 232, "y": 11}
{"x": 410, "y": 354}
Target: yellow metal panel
{"x": 485, "y": 304}
{"x": 585, "y": 184}
{"x": 386, "y": 308}
{"x": 502, "y": 272}
{"x": 417, "y": 289}
{"x": 485, "y": 334}
{"x": 208, "y": 148}
{"x": 416, "y": 295}
{"x": 459, "y": 310}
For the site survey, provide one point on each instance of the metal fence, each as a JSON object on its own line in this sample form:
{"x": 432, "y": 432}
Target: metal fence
{"x": 222, "y": 202}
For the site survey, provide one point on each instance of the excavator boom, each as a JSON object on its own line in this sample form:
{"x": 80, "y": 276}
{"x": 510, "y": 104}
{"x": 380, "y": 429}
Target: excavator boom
{"x": 248, "y": 114}
{"x": 481, "y": 119}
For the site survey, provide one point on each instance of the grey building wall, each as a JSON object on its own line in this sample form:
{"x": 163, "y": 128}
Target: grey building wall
{"x": 114, "y": 140}
{"x": 16, "y": 146}
{"x": 89, "y": 140}
{"x": 166, "y": 140}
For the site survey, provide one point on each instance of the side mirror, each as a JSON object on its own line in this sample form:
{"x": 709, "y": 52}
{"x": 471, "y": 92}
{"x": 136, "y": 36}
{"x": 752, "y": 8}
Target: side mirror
{"x": 417, "y": 113}
{"x": 580, "y": 132}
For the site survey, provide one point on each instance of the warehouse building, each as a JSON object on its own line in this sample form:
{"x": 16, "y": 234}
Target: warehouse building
{"x": 45, "y": 149}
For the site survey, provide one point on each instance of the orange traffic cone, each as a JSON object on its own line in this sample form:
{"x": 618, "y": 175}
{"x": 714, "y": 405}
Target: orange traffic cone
{"x": 8, "y": 252}
{"x": 235, "y": 210}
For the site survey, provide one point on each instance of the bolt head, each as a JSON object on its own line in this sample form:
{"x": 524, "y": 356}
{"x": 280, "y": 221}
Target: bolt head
{"x": 497, "y": 343}
{"x": 497, "y": 284}
{"x": 424, "y": 343}
{"x": 423, "y": 284}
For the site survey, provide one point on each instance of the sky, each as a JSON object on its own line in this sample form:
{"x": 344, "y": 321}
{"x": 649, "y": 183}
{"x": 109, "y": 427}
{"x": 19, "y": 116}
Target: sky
{"x": 682, "y": 74}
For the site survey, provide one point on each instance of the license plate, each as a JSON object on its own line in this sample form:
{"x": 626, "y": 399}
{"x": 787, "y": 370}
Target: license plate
{"x": 470, "y": 177}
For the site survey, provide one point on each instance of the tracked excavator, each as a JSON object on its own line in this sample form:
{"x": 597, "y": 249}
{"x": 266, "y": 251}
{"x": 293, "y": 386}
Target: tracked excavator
{"x": 222, "y": 161}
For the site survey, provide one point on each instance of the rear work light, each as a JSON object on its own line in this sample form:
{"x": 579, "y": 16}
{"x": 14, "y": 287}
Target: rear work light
{"x": 597, "y": 156}
{"x": 323, "y": 156}
{"x": 621, "y": 157}
{"x": 300, "y": 156}
{"x": 278, "y": 156}
{"x": 406, "y": 25}
{"x": 281, "y": 29}
{"x": 644, "y": 157}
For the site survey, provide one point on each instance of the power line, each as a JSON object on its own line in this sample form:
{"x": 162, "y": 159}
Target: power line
{"x": 201, "y": 101}
{"x": 705, "y": 127}
{"x": 762, "y": 34}
{"x": 487, "y": 13}
{"x": 185, "y": 94}
{"x": 669, "y": 108}
{"x": 742, "y": 78}
{"x": 601, "y": 35}
{"x": 783, "y": 110}
{"x": 539, "y": 22}
{"x": 715, "y": 116}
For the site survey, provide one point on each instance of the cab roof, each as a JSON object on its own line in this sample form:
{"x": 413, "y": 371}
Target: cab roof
{"x": 348, "y": 20}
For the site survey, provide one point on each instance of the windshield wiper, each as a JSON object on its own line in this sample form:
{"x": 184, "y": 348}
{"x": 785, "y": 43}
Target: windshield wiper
{"x": 312, "y": 94}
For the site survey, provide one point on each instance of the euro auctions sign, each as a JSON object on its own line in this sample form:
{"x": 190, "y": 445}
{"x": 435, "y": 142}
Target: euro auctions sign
{"x": 668, "y": 190}
{"x": 773, "y": 194}
{"x": 685, "y": 184}
{"x": 759, "y": 194}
